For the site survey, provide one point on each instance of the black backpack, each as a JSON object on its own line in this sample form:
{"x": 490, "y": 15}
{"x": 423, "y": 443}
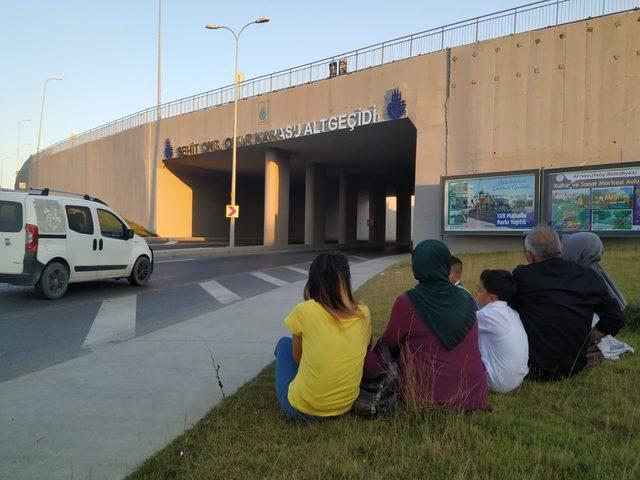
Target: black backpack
{"x": 379, "y": 397}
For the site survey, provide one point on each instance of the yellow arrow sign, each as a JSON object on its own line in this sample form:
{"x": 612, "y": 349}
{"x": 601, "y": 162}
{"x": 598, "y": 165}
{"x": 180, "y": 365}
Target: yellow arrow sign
{"x": 233, "y": 211}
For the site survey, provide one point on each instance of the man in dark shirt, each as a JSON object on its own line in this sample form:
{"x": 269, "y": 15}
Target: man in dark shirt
{"x": 556, "y": 300}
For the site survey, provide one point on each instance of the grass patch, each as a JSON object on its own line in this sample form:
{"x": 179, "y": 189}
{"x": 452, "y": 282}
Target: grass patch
{"x": 587, "y": 427}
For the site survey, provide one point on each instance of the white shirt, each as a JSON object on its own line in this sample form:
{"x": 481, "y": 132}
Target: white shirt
{"x": 504, "y": 346}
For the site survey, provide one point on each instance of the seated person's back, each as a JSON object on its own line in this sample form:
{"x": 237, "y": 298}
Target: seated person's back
{"x": 433, "y": 335}
{"x": 319, "y": 369}
{"x": 501, "y": 336}
{"x": 556, "y": 300}
{"x": 328, "y": 379}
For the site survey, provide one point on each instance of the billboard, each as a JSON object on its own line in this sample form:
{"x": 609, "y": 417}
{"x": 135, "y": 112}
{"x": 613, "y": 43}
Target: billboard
{"x": 601, "y": 199}
{"x": 496, "y": 203}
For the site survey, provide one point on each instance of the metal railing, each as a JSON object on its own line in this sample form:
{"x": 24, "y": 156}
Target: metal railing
{"x": 532, "y": 16}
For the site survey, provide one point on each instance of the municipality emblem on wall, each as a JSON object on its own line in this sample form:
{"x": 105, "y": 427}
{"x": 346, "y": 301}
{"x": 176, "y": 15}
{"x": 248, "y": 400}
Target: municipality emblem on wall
{"x": 263, "y": 112}
{"x": 396, "y": 105}
{"x": 168, "y": 149}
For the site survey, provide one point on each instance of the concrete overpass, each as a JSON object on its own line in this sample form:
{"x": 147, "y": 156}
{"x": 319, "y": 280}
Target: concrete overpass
{"x": 318, "y": 158}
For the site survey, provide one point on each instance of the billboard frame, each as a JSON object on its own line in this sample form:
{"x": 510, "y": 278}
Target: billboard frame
{"x": 545, "y": 216}
{"x": 500, "y": 233}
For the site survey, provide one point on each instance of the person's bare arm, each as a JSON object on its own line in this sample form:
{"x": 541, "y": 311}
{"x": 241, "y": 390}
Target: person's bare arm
{"x": 297, "y": 347}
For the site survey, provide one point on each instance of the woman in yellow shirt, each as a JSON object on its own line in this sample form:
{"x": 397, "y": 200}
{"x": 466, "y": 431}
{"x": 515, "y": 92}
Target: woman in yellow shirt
{"x": 319, "y": 369}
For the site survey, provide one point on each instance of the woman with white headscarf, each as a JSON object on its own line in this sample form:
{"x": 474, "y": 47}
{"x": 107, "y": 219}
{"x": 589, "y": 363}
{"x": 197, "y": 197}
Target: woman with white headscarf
{"x": 585, "y": 248}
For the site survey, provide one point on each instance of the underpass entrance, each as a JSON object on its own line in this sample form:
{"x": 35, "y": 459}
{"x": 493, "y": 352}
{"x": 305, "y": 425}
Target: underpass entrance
{"x": 334, "y": 187}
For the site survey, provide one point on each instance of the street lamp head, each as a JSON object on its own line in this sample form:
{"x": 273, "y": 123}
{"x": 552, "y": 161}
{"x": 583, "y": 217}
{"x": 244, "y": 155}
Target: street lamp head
{"x": 58, "y": 78}
{"x": 212, "y": 26}
{"x": 262, "y": 20}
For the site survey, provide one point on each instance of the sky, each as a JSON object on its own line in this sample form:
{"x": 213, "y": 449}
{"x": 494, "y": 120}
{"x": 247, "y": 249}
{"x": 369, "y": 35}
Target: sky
{"x": 106, "y": 51}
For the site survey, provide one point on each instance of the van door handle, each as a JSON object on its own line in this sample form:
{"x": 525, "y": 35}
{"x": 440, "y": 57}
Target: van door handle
{"x": 7, "y": 241}
{"x": 101, "y": 244}
{"x": 95, "y": 244}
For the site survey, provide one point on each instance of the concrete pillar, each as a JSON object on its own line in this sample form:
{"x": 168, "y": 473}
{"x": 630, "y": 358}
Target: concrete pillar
{"x": 347, "y": 210}
{"x": 377, "y": 211}
{"x": 314, "y": 204}
{"x": 403, "y": 216}
{"x": 363, "y": 211}
{"x": 276, "y": 198}
{"x": 427, "y": 213}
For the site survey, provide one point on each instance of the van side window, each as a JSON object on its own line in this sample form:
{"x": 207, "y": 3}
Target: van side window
{"x": 110, "y": 225}
{"x": 10, "y": 217}
{"x": 80, "y": 219}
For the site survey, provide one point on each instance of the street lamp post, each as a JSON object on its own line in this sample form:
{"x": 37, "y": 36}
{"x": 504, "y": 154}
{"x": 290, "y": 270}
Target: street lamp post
{"x": 2, "y": 170}
{"x": 159, "y": 92}
{"x": 24, "y": 120}
{"x": 211, "y": 26}
{"x": 44, "y": 93}
{"x": 22, "y": 147}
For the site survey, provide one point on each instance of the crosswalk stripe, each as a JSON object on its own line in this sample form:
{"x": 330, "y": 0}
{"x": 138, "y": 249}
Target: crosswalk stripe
{"x": 271, "y": 279}
{"x": 220, "y": 292}
{"x": 115, "y": 322}
{"x": 171, "y": 242}
{"x": 298, "y": 270}
{"x": 356, "y": 257}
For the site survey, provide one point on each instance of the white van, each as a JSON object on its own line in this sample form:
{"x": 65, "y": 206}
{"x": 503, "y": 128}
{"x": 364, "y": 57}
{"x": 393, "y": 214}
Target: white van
{"x": 50, "y": 241}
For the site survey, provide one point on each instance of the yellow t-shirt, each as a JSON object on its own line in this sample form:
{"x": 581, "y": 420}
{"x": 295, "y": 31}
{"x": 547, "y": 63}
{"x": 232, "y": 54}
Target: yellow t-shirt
{"x": 330, "y": 371}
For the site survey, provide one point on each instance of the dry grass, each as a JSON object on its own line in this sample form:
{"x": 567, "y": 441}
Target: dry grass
{"x": 140, "y": 230}
{"x": 587, "y": 427}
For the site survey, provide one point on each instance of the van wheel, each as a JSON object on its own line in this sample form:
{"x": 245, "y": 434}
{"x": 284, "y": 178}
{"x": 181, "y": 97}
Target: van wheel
{"x": 141, "y": 272}
{"x": 53, "y": 282}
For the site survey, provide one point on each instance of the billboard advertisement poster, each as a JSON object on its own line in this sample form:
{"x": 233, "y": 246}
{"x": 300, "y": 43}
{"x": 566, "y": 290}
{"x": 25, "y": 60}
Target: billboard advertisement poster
{"x": 492, "y": 203}
{"x": 636, "y": 206}
{"x": 601, "y": 199}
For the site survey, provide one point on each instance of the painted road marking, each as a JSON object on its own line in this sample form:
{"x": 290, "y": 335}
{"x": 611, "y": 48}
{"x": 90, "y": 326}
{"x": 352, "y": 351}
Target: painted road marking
{"x": 171, "y": 242}
{"x": 115, "y": 322}
{"x": 298, "y": 270}
{"x": 220, "y": 292}
{"x": 268, "y": 278}
{"x": 176, "y": 260}
{"x": 356, "y": 257}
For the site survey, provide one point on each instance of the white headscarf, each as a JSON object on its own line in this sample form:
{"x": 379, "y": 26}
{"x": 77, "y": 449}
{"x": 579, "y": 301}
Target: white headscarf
{"x": 585, "y": 248}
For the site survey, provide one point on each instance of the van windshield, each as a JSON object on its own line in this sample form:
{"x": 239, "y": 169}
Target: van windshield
{"x": 10, "y": 216}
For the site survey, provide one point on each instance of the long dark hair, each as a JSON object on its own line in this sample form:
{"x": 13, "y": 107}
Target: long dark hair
{"x": 329, "y": 284}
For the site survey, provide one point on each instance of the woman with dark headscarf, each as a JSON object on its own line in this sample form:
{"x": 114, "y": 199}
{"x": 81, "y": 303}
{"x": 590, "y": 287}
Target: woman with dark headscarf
{"x": 585, "y": 248}
{"x": 433, "y": 334}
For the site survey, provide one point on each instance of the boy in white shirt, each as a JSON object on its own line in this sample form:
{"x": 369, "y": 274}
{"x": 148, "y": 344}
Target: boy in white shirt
{"x": 503, "y": 342}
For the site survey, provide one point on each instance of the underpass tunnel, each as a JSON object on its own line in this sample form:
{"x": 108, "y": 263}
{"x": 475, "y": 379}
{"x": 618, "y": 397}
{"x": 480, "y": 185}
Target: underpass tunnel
{"x": 344, "y": 187}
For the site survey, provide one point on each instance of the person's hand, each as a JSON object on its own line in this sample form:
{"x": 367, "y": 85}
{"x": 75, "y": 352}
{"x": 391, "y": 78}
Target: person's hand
{"x": 596, "y": 335}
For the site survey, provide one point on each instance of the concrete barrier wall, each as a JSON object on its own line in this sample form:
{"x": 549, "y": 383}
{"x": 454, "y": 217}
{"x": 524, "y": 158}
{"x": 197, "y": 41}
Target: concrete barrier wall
{"x": 561, "y": 96}
{"x": 548, "y": 98}
{"x": 115, "y": 169}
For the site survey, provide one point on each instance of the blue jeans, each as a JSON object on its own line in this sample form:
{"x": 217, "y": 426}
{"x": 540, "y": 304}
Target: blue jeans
{"x": 286, "y": 370}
